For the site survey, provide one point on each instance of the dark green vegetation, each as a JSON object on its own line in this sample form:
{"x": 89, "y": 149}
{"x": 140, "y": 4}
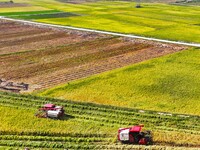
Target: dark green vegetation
{"x": 38, "y": 14}
{"x": 170, "y": 83}
{"x": 10, "y": 14}
{"x": 86, "y": 125}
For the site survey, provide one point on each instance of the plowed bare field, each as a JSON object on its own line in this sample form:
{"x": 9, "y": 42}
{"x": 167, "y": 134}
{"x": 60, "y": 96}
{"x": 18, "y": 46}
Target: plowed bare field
{"x": 9, "y": 4}
{"x": 45, "y": 57}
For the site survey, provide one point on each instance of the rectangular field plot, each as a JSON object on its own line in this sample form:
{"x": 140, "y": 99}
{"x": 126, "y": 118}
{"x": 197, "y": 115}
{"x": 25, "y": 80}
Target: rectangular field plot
{"x": 44, "y": 57}
{"x": 21, "y": 13}
{"x": 43, "y": 15}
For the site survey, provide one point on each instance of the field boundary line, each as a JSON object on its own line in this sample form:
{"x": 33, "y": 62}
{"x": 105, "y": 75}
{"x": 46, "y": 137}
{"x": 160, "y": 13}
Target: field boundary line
{"x": 103, "y": 32}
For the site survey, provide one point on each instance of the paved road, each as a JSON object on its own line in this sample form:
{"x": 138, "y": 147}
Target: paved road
{"x": 103, "y": 32}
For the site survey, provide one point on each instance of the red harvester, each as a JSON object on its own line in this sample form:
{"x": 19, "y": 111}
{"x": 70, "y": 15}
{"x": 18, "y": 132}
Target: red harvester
{"x": 134, "y": 135}
{"x": 50, "y": 111}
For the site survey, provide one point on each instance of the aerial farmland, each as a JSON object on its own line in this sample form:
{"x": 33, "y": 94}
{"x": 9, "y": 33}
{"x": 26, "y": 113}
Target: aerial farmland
{"x": 79, "y": 74}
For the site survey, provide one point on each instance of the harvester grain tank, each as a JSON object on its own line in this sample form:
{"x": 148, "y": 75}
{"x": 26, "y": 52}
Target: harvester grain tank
{"x": 135, "y": 135}
{"x": 50, "y": 111}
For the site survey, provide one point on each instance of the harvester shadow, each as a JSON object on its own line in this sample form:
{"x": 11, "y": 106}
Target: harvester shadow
{"x": 67, "y": 117}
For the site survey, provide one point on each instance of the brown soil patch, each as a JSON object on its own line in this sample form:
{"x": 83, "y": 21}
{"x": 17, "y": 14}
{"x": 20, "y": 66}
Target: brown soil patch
{"x": 9, "y": 4}
{"x": 44, "y": 57}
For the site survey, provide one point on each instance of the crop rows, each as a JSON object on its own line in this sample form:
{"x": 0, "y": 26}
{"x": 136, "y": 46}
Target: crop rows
{"x": 43, "y": 144}
{"x": 19, "y": 34}
{"x": 77, "y": 54}
{"x": 108, "y": 116}
{"x": 88, "y": 69}
{"x": 111, "y": 113}
{"x": 23, "y": 41}
{"x": 50, "y": 138}
{"x": 71, "y": 145}
{"x": 69, "y": 62}
{"x": 31, "y": 39}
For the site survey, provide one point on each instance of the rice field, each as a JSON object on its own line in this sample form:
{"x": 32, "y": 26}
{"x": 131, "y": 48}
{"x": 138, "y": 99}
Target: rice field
{"x": 169, "y": 83}
{"x": 179, "y": 23}
{"x": 88, "y": 125}
{"x": 104, "y": 82}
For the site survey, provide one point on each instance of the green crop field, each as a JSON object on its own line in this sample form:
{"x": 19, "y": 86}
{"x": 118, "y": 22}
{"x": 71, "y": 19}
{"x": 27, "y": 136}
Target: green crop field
{"x": 161, "y": 93}
{"x": 170, "y": 83}
{"x": 87, "y": 125}
{"x": 165, "y": 21}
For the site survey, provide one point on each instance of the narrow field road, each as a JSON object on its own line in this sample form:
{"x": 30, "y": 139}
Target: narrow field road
{"x": 102, "y": 32}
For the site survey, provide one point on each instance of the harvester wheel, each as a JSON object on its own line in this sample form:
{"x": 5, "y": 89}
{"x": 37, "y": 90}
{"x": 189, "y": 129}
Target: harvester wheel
{"x": 131, "y": 139}
{"x": 148, "y": 140}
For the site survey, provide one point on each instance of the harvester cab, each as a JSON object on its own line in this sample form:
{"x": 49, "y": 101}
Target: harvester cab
{"x": 50, "y": 111}
{"x": 135, "y": 135}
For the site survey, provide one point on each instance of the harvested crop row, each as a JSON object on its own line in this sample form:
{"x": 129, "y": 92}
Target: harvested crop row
{"x": 58, "y": 56}
{"x": 54, "y": 65}
{"x": 21, "y": 34}
{"x": 80, "y": 109}
{"x": 91, "y": 68}
{"x": 109, "y": 117}
{"x": 31, "y": 39}
{"x": 101, "y": 116}
{"x": 16, "y": 44}
{"x": 94, "y": 107}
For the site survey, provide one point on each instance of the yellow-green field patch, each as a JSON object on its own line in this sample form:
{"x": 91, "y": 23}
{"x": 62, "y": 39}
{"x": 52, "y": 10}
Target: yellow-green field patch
{"x": 169, "y": 83}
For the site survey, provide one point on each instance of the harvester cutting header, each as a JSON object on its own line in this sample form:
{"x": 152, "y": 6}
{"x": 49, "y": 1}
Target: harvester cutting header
{"x": 50, "y": 111}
